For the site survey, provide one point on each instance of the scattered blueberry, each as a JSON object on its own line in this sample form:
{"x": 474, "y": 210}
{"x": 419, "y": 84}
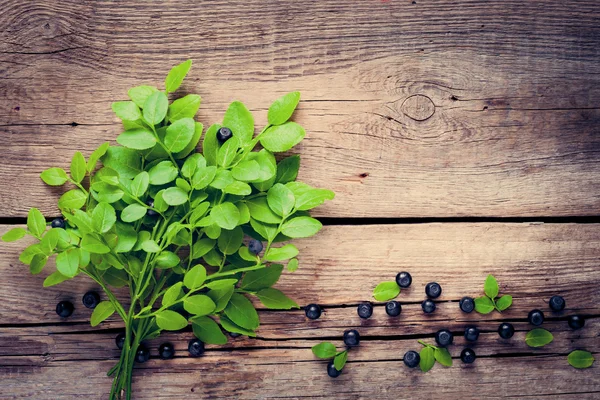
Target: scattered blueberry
{"x": 433, "y": 290}
{"x": 471, "y": 333}
{"x": 58, "y": 223}
{"x": 351, "y": 338}
{"x": 467, "y": 356}
{"x": 444, "y": 337}
{"x": 224, "y": 134}
{"x": 196, "y": 347}
{"x": 506, "y": 330}
{"x": 403, "y": 279}
{"x": 312, "y": 311}
{"x": 64, "y": 309}
{"x": 255, "y": 246}
{"x": 120, "y": 340}
{"x": 535, "y": 317}
{"x": 467, "y": 304}
{"x": 576, "y": 322}
{"x": 150, "y": 203}
{"x": 393, "y": 308}
{"x": 332, "y": 371}
{"x": 365, "y": 310}
{"x": 142, "y": 354}
{"x": 91, "y": 299}
{"x": 166, "y": 351}
{"x": 234, "y": 334}
{"x": 557, "y": 303}
{"x": 411, "y": 359}
{"x": 428, "y": 306}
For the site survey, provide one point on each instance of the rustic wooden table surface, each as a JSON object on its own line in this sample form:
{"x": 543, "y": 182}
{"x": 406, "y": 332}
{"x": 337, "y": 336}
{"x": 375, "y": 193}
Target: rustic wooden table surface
{"x": 461, "y": 137}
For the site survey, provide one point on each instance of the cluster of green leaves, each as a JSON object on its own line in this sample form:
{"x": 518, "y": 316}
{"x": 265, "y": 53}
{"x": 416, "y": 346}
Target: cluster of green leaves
{"x": 429, "y": 354}
{"x": 327, "y": 350}
{"x": 488, "y": 303}
{"x": 171, "y": 223}
{"x": 386, "y": 291}
{"x": 580, "y": 359}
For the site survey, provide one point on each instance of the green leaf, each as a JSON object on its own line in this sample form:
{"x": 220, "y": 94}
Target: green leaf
{"x": 199, "y": 305}
{"x": 281, "y": 253}
{"x": 207, "y": 330}
{"x": 490, "y": 287}
{"x": 127, "y": 162}
{"x": 14, "y": 235}
{"x": 238, "y": 188}
{"x": 155, "y": 108}
{"x": 260, "y": 210}
{"x": 287, "y": 169}
{"x": 324, "y": 350}
{"x": 261, "y": 278}
{"x": 275, "y": 299}
{"x": 538, "y": 337}
{"x": 210, "y": 145}
{"x": 162, "y": 173}
{"x": 127, "y": 237}
{"x": 222, "y": 179}
{"x": 195, "y": 277}
{"x": 226, "y": 215}
{"x": 54, "y": 176}
{"x": 227, "y": 152}
{"x": 176, "y": 76}
{"x": 221, "y": 296}
{"x": 301, "y": 227}
{"x": 201, "y": 247}
{"x": 203, "y": 177}
{"x": 95, "y": 156}
{"x": 36, "y": 223}
{"x": 281, "y": 199}
{"x": 133, "y": 212}
{"x": 54, "y": 279}
{"x": 230, "y": 241}
{"x": 103, "y": 217}
{"x": 159, "y": 203}
{"x": 179, "y": 134}
{"x": 126, "y": 110}
{"x": 230, "y": 326}
{"x": 240, "y": 121}
{"x": 150, "y": 246}
{"x": 174, "y": 196}
{"x": 37, "y": 263}
{"x": 83, "y": 221}
{"x": 170, "y": 320}
{"x": 580, "y": 359}
{"x": 67, "y": 262}
{"x": 172, "y": 294}
{"x": 185, "y": 107}
{"x": 29, "y": 252}
{"x": 427, "y": 358}
{"x": 484, "y": 305}
{"x": 50, "y": 240}
{"x": 268, "y": 168}
{"x": 167, "y": 259}
{"x": 308, "y": 197}
{"x": 78, "y": 167}
{"x": 282, "y": 137}
{"x": 340, "y": 360}
{"x": 116, "y": 277}
{"x": 246, "y": 171}
{"x": 107, "y": 175}
{"x": 140, "y": 94}
{"x": 386, "y": 291}
{"x": 241, "y": 311}
{"x": 504, "y": 302}
{"x": 140, "y": 184}
{"x": 213, "y": 231}
{"x": 94, "y": 245}
{"x": 442, "y": 356}
{"x": 191, "y": 146}
{"x": 138, "y": 139}
{"x": 101, "y": 312}
{"x": 192, "y": 164}
{"x": 282, "y": 109}
{"x": 267, "y": 231}
{"x": 292, "y": 265}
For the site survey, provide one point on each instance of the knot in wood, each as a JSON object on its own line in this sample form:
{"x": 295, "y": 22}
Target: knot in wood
{"x": 418, "y": 107}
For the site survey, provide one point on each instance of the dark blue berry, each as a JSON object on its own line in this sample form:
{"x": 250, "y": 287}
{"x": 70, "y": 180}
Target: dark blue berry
{"x": 234, "y": 334}
{"x": 64, "y": 309}
{"x": 332, "y": 371}
{"x": 312, "y": 311}
{"x": 467, "y": 356}
{"x": 196, "y": 347}
{"x": 166, "y": 351}
{"x": 428, "y": 306}
{"x": 58, "y": 223}
{"x": 255, "y": 246}
{"x": 471, "y": 333}
{"x": 403, "y": 279}
{"x": 411, "y": 359}
{"x": 467, "y": 304}
{"x": 433, "y": 290}
{"x": 444, "y": 337}
{"x": 576, "y": 322}
{"x": 224, "y": 134}
{"x": 149, "y": 212}
{"x": 506, "y": 330}
{"x": 142, "y": 354}
{"x": 393, "y": 308}
{"x": 365, "y": 310}
{"x": 535, "y": 317}
{"x": 91, "y": 299}
{"x": 351, "y": 338}
{"x": 120, "y": 340}
{"x": 557, "y": 303}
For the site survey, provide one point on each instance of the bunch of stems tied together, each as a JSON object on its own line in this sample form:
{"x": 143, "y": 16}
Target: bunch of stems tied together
{"x": 172, "y": 225}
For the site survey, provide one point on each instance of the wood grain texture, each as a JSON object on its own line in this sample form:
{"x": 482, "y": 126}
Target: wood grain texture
{"x": 433, "y": 109}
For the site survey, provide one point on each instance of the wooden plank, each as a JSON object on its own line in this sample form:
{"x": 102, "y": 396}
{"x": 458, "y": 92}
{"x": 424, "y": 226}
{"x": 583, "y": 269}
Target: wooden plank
{"x": 412, "y": 110}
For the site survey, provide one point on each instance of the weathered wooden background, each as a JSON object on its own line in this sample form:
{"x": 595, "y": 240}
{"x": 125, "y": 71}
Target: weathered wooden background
{"x": 448, "y": 129}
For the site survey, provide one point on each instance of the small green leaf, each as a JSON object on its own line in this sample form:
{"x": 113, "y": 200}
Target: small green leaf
{"x": 538, "y": 337}
{"x": 484, "y": 305}
{"x": 275, "y": 299}
{"x": 230, "y": 326}
{"x": 103, "y": 217}
{"x": 72, "y": 200}
{"x": 240, "y": 121}
{"x": 580, "y": 359}
{"x": 175, "y": 196}
{"x": 170, "y": 320}
{"x": 281, "y": 199}
{"x": 324, "y": 350}
{"x": 287, "y": 169}
{"x": 179, "y": 134}
{"x": 54, "y": 279}
{"x": 490, "y": 287}
{"x": 301, "y": 227}
{"x": 210, "y": 145}
{"x": 230, "y": 241}
{"x": 137, "y": 139}
{"x": 282, "y": 137}
{"x": 54, "y": 176}
{"x": 67, "y": 262}
{"x": 292, "y": 265}
{"x": 221, "y": 296}
{"x": 504, "y": 302}
{"x": 150, "y": 246}
{"x": 127, "y": 162}
{"x": 260, "y": 211}
{"x": 238, "y": 188}
{"x": 192, "y": 164}
{"x": 162, "y": 173}
{"x": 241, "y": 311}
{"x": 281, "y": 253}
{"x": 199, "y": 305}
{"x": 167, "y": 259}
{"x": 101, "y": 312}
{"x": 207, "y": 330}
{"x": 427, "y": 358}
{"x": 36, "y": 223}
{"x": 308, "y": 197}
{"x": 127, "y": 237}
{"x": 176, "y": 76}
{"x": 203, "y": 177}
{"x": 95, "y": 156}
{"x": 442, "y": 356}
{"x": 78, "y": 167}
{"x": 94, "y": 245}
{"x": 185, "y": 107}
{"x": 386, "y": 291}
{"x": 261, "y": 278}
{"x": 155, "y": 108}
{"x": 282, "y": 109}
{"x": 37, "y": 263}
{"x": 133, "y": 212}
{"x": 246, "y": 171}
{"x": 191, "y": 146}
{"x": 195, "y": 277}
{"x": 140, "y": 94}
{"x": 226, "y": 215}
{"x": 14, "y": 235}
{"x": 227, "y": 152}
{"x": 201, "y": 247}
{"x": 340, "y": 360}
{"x": 172, "y": 294}
{"x": 140, "y": 184}
{"x": 126, "y": 110}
